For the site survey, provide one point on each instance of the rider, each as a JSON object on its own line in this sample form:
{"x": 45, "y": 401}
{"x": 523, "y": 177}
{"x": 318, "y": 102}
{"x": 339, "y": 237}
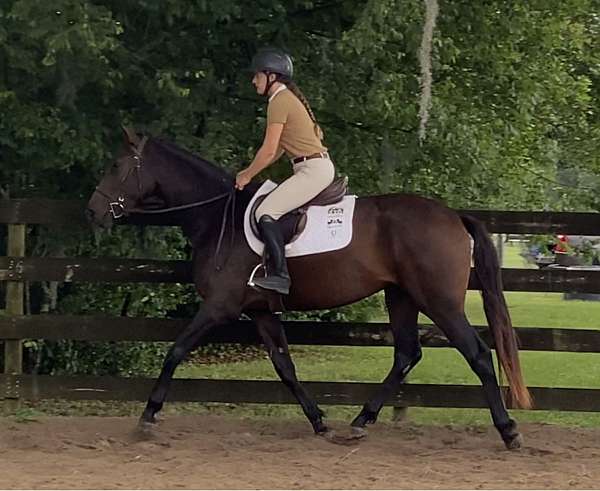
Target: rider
{"x": 291, "y": 128}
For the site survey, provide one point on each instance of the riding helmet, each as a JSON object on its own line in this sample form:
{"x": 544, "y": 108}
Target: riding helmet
{"x": 272, "y": 60}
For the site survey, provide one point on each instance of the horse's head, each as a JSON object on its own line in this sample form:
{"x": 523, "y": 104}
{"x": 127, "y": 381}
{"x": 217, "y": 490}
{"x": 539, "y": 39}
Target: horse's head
{"x": 124, "y": 185}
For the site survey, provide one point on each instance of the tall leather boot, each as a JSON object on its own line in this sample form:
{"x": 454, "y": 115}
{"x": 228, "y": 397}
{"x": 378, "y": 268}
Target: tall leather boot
{"x": 277, "y": 278}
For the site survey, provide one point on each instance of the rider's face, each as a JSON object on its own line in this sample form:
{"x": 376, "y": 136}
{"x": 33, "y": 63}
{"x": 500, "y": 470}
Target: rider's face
{"x": 260, "y": 82}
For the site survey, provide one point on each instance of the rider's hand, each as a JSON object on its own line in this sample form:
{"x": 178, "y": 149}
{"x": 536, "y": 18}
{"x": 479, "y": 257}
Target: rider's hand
{"x": 242, "y": 179}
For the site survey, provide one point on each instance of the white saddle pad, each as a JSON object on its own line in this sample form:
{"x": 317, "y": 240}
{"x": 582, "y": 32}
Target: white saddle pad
{"x": 328, "y": 228}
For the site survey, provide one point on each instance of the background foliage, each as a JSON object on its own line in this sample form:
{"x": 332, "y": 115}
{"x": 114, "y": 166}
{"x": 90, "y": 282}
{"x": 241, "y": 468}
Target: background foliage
{"x": 515, "y": 120}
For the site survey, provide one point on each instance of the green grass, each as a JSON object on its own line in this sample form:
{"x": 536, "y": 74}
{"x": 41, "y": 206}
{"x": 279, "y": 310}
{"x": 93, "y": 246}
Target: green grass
{"x": 540, "y": 310}
{"x": 511, "y": 257}
{"x": 532, "y": 309}
{"x": 439, "y": 366}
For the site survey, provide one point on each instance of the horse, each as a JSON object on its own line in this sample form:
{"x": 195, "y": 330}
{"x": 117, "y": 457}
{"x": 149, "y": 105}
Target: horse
{"x": 415, "y": 249}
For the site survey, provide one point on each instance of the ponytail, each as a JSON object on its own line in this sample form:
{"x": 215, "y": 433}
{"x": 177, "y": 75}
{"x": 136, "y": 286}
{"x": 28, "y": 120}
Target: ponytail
{"x": 298, "y": 93}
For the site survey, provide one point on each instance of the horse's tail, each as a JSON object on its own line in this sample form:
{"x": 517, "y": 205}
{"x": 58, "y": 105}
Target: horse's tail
{"x": 487, "y": 269}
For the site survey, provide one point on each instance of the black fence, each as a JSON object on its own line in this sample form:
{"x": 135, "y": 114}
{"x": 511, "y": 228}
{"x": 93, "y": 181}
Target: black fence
{"x": 16, "y": 269}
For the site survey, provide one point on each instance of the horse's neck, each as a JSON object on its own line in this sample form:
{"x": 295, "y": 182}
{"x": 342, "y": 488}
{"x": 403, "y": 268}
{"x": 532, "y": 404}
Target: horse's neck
{"x": 183, "y": 183}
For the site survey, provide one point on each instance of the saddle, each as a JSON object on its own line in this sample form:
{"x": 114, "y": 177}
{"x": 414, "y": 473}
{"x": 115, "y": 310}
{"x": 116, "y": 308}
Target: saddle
{"x": 293, "y": 223}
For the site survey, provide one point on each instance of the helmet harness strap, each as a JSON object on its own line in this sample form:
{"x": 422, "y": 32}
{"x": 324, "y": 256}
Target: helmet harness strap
{"x": 269, "y": 83}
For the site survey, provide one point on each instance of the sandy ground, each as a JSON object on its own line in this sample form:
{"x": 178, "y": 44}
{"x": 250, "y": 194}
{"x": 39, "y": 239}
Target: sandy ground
{"x": 221, "y": 452}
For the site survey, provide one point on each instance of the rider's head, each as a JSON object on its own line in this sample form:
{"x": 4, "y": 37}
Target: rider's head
{"x": 270, "y": 65}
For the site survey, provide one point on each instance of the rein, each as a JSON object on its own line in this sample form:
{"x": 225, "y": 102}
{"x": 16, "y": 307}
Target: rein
{"x": 229, "y": 205}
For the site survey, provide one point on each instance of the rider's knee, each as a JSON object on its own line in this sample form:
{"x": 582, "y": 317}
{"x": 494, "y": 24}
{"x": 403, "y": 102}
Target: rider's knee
{"x": 263, "y": 211}
{"x": 266, "y": 219}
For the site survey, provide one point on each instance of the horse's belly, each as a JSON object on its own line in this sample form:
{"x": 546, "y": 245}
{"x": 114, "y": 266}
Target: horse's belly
{"x": 331, "y": 280}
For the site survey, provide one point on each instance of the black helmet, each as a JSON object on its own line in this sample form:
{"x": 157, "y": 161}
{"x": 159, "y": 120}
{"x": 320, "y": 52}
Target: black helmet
{"x": 272, "y": 60}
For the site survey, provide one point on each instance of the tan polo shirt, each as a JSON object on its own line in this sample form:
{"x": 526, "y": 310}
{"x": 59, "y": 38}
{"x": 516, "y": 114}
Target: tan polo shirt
{"x": 298, "y": 138}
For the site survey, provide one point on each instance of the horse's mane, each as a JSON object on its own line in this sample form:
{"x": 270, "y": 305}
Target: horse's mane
{"x": 193, "y": 160}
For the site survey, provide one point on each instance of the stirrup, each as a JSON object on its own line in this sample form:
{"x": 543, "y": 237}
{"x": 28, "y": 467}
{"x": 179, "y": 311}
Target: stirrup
{"x": 251, "y": 279}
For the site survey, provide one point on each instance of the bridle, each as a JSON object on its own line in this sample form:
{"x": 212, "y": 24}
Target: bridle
{"x": 117, "y": 208}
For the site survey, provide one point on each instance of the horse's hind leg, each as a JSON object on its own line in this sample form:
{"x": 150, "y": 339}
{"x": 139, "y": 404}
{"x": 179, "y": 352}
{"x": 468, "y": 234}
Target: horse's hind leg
{"x": 478, "y": 355}
{"x": 403, "y": 315}
{"x": 273, "y": 335}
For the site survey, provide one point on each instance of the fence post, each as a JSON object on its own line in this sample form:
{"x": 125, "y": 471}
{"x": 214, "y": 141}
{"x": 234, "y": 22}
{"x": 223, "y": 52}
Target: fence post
{"x": 13, "y": 349}
{"x": 500, "y": 248}
{"x": 400, "y": 413}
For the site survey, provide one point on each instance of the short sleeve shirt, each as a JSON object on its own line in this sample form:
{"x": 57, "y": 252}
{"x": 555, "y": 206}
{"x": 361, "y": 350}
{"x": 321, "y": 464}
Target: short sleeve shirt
{"x": 299, "y": 138}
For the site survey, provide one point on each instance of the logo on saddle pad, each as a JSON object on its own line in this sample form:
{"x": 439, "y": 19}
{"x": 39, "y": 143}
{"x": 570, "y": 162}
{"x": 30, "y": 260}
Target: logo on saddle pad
{"x": 328, "y": 228}
{"x": 335, "y": 219}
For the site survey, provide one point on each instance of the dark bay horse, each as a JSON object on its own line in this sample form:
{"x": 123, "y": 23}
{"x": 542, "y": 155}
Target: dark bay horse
{"x": 415, "y": 249}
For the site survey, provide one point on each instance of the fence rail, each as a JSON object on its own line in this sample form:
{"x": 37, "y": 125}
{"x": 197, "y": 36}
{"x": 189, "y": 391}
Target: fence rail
{"x": 274, "y": 392}
{"x": 97, "y": 328}
{"x": 69, "y": 212}
{"x": 16, "y": 269}
{"x": 157, "y": 271}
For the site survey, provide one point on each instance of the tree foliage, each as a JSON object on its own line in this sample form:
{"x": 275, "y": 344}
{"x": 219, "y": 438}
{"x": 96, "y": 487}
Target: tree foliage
{"x": 514, "y": 120}
{"x": 515, "y": 90}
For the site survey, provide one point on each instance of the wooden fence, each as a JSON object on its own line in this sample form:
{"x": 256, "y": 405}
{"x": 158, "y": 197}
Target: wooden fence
{"x": 16, "y": 269}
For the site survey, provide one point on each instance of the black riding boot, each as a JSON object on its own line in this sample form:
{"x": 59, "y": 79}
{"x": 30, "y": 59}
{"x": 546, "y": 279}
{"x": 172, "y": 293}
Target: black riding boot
{"x": 277, "y": 278}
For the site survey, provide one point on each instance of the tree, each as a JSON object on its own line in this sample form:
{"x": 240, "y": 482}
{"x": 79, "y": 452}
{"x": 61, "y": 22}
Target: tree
{"x": 514, "y": 120}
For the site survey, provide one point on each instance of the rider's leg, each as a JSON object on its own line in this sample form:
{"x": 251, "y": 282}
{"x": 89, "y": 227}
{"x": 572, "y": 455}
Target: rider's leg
{"x": 309, "y": 179}
{"x": 277, "y": 278}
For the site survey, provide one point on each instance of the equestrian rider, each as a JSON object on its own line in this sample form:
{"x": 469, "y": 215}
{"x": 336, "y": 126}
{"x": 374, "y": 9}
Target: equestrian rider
{"x": 291, "y": 129}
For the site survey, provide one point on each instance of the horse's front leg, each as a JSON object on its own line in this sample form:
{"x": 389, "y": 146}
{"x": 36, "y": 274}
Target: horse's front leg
{"x": 209, "y": 316}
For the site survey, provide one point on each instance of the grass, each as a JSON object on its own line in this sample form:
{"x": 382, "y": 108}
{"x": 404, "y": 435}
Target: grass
{"x": 439, "y": 365}
{"x": 532, "y": 309}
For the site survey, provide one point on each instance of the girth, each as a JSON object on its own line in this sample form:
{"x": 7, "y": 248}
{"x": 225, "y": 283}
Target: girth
{"x": 292, "y": 224}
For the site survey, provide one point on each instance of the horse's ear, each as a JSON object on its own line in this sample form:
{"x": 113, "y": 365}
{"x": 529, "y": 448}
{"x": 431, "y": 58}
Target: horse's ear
{"x": 131, "y": 136}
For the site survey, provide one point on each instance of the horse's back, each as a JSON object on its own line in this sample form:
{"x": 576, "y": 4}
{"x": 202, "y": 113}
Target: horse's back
{"x": 397, "y": 239}
{"x": 410, "y": 216}
{"x": 408, "y": 207}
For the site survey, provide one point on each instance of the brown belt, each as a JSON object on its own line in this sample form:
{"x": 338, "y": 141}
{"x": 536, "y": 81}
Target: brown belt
{"x": 320, "y": 155}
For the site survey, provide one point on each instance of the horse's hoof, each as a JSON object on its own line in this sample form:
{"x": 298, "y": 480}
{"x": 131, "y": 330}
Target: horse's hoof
{"x": 145, "y": 430}
{"x": 515, "y": 443}
{"x": 336, "y": 439}
{"x": 358, "y": 433}
{"x": 332, "y": 437}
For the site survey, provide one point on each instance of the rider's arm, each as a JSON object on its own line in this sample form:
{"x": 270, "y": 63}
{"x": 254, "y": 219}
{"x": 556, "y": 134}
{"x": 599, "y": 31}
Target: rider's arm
{"x": 269, "y": 151}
